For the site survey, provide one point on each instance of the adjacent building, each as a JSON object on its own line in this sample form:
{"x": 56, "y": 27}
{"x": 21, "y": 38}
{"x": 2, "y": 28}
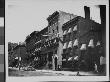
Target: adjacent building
{"x": 11, "y": 57}
{"x": 41, "y": 46}
{"x": 78, "y": 35}
{"x": 30, "y": 41}
{"x": 55, "y": 32}
{"x": 16, "y": 54}
{"x": 19, "y": 54}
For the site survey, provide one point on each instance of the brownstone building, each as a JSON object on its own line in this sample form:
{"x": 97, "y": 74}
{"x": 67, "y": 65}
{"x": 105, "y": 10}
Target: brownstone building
{"x": 41, "y": 46}
{"x": 55, "y": 22}
{"x": 48, "y": 44}
{"x": 30, "y": 41}
{"x": 78, "y": 35}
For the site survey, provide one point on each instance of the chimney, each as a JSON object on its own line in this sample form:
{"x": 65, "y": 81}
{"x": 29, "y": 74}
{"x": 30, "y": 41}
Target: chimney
{"x": 103, "y": 23}
{"x": 87, "y": 12}
{"x": 103, "y": 14}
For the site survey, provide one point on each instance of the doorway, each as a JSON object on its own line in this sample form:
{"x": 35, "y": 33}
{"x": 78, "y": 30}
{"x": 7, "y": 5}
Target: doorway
{"x": 55, "y": 63}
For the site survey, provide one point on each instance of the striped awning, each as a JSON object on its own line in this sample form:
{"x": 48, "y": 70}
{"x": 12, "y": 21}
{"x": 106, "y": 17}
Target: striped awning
{"x": 55, "y": 40}
{"x": 75, "y": 43}
{"x": 16, "y": 57}
{"x": 39, "y": 48}
{"x": 75, "y": 28}
{"x": 65, "y": 32}
{"x": 45, "y": 45}
{"x": 83, "y": 47}
{"x": 70, "y": 30}
{"x": 49, "y": 42}
{"x": 102, "y": 60}
{"x": 36, "y": 49}
{"x": 36, "y": 58}
{"x": 70, "y": 58}
{"x": 65, "y": 45}
{"x": 56, "y": 56}
{"x": 70, "y": 44}
{"x": 98, "y": 43}
{"x": 76, "y": 58}
{"x": 91, "y": 43}
{"x": 63, "y": 59}
{"x": 46, "y": 40}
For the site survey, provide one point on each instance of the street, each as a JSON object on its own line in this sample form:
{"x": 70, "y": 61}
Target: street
{"x": 16, "y": 72}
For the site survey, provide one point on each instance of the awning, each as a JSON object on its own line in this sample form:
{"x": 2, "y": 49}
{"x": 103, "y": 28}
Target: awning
{"x": 57, "y": 34}
{"x": 65, "y": 32}
{"x": 55, "y": 56}
{"x": 38, "y": 41}
{"x": 16, "y": 58}
{"x": 70, "y": 30}
{"x": 36, "y": 58}
{"x": 75, "y": 43}
{"x": 46, "y": 40}
{"x": 91, "y": 43}
{"x": 45, "y": 45}
{"x": 55, "y": 40}
{"x": 75, "y": 28}
{"x": 83, "y": 47}
{"x": 65, "y": 45}
{"x": 70, "y": 44}
{"x": 39, "y": 48}
{"x": 49, "y": 43}
{"x": 76, "y": 58}
{"x": 36, "y": 49}
{"x": 98, "y": 43}
{"x": 102, "y": 60}
{"x": 64, "y": 60}
{"x": 33, "y": 53}
{"x": 70, "y": 58}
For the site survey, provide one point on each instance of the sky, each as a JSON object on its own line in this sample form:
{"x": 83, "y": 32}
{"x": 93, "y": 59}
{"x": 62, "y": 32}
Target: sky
{"x": 25, "y": 16}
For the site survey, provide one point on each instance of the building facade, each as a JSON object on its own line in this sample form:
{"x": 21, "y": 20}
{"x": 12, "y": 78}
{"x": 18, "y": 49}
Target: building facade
{"x": 16, "y": 53}
{"x": 11, "y": 57}
{"x": 19, "y": 55}
{"x": 41, "y": 46}
{"x": 79, "y": 35}
{"x": 55, "y": 22}
{"x": 30, "y": 41}
{"x": 69, "y": 41}
{"x": 48, "y": 43}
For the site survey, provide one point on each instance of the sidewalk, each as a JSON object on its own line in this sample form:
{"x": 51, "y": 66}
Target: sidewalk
{"x": 71, "y": 73}
{"x": 15, "y": 68}
{"x": 66, "y": 73}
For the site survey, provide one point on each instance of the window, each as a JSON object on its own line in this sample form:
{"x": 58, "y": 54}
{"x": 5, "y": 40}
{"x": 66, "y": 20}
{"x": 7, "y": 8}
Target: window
{"x": 65, "y": 32}
{"x": 75, "y": 28}
{"x": 53, "y": 30}
{"x": 57, "y": 28}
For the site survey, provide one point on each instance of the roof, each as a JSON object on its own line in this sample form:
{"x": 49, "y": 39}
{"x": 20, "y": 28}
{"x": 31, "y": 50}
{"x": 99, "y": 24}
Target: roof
{"x": 42, "y": 31}
{"x": 76, "y": 19}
